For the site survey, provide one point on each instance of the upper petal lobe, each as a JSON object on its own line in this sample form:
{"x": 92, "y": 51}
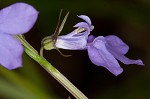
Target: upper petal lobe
{"x": 17, "y": 18}
{"x": 85, "y": 18}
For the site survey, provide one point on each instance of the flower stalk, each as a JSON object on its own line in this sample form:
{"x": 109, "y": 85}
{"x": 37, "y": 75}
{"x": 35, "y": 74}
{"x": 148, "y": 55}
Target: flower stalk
{"x": 51, "y": 69}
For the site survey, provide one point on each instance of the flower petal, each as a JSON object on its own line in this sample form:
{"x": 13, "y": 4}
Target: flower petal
{"x": 85, "y": 18}
{"x": 117, "y": 44}
{"x": 91, "y": 38}
{"x": 118, "y": 48}
{"x": 10, "y": 51}
{"x": 82, "y": 24}
{"x": 72, "y": 43}
{"x": 17, "y": 18}
{"x": 100, "y": 56}
{"x": 75, "y": 33}
{"x": 123, "y": 58}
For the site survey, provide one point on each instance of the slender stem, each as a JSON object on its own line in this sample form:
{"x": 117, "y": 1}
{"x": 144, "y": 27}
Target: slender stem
{"x": 26, "y": 44}
{"x": 52, "y": 70}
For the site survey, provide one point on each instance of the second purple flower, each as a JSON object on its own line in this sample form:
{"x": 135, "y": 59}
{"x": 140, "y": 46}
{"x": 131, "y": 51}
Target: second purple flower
{"x": 15, "y": 19}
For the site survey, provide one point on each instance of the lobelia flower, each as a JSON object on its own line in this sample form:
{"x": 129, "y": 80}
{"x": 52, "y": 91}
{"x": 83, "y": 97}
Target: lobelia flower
{"x": 102, "y": 51}
{"x": 15, "y": 19}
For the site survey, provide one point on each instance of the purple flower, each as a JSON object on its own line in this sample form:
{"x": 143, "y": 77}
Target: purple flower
{"x": 15, "y": 19}
{"x": 103, "y": 51}
{"x": 77, "y": 39}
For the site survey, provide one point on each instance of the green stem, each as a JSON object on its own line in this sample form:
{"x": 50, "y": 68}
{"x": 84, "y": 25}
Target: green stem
{"x": 51, "y": 70}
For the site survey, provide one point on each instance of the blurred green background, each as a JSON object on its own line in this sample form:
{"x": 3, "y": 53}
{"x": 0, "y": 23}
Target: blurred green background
{"x": 128, "y": 19}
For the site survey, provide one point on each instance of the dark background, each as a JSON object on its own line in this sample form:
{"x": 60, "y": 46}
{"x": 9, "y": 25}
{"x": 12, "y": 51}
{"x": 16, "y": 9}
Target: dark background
{"x": 128, "y": 19}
